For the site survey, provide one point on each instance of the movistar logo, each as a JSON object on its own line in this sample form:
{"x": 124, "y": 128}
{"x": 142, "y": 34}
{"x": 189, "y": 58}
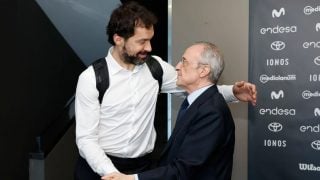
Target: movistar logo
{"x": 276, "y": 13}
{"x": 316, "y": 111}
{"x": 277, "y": 95}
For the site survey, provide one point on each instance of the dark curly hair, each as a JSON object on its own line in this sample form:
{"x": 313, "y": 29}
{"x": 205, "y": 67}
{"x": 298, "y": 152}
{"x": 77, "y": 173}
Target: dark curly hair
{"x": 126, "y": 17}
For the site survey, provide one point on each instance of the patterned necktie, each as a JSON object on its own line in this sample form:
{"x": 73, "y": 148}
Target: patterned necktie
{"x": 183, "y": 109}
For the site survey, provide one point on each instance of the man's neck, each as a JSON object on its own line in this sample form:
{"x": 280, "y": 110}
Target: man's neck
{"x": 198, "y": 86}
{"x": 117, "y": 56}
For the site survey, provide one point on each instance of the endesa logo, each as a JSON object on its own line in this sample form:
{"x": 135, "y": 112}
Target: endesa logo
{"x": 308, "y": 10}
{"x": 311, "y": 44}
{"x": 275, "y": 127}
{"x": 308, "y": 94}
{"x": 308, "y": 167}
{"x": 278, "y": 30}
{"x": 264, "y": 78}
{"x": 277, "y": 95}
{"x": 277, "y": 112}
{"x": 313, "y": 129}
{"x": 276, "y": 13}
{"x": 278, "y": 45}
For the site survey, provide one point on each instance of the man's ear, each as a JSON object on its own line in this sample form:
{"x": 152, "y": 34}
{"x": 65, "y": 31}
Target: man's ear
{"x": 118, "y": 40}
{"x": 205, "y": 71}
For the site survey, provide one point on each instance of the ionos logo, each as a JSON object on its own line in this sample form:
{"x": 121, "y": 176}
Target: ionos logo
{"x": 308, "y": 167}
{"x": 276, "y": 13}
{"x": 277, "y": 45}
{"x": 264, "y": 78}
{"x": 278, "y": 62}
{"x": 275, "y": 95}
{"x": 317, "y": 60}
{"x": 274, "y": 143}
{"x": 312, "y": 129}
{"x": 313, "y": 44}
{"x": 316, "y": 145}
{"x": 318, "y": 27}
{"x": 278, "y": 29}
{"x": 316, "y": 112}
{"x": 275, "y": 127}
{"x": 307, "y": 94}
{"x": 314, "y": 77}
{"x": 308, "y": 10}
{"x": 277, "y": 112}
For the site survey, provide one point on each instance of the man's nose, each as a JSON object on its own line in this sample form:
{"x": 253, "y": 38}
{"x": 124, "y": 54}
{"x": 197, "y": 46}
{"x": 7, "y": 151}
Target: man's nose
{"x": 178, "y": 66}
{"x": 148, "y": 47}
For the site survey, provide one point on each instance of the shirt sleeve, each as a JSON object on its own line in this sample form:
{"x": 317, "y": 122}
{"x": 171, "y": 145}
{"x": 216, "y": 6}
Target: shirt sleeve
{"x": 169, "y": 78}
{"x": 169, "y": 81}
{"x": 227, "y": 93}
{"x": 87, "y": 111}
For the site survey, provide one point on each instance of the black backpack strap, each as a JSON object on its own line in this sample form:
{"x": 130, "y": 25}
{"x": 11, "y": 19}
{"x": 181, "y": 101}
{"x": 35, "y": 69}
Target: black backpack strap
{"x": 102, "y": 76}
{"x": 156, "y": 70}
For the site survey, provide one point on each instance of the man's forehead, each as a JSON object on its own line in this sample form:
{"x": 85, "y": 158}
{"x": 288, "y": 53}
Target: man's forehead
{"x": 142, "y": 32}
{"x": 193, "y": 50}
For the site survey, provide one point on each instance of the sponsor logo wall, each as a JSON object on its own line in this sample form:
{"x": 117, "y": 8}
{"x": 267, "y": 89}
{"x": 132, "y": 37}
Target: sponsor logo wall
{"x": 284, "y": 127}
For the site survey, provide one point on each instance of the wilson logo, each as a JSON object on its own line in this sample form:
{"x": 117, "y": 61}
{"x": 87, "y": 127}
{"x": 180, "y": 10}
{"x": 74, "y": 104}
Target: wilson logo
{"x": 308, "y": 167}
{"x": 276, "y": 13}
{"x": 277, "y": 95}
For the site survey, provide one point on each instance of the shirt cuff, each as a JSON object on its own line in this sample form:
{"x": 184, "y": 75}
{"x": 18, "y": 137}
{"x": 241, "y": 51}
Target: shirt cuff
{"x": 136, "y": 177}
{"x": 232, "y": 97}
{"x": 227, "y": 93}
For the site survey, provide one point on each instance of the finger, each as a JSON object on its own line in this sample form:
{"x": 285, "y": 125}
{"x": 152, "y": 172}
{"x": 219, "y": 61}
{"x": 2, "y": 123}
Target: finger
{"x": 240, "y": 83}
{"x": 253, "y": 88}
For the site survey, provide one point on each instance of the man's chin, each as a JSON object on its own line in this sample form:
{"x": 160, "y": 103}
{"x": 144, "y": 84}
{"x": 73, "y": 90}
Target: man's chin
{"x": 139, "y": 62}
{"x": 178, "y": 83}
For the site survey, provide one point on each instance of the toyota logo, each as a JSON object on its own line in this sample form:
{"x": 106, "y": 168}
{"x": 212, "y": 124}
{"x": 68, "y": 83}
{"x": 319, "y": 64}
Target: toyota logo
{"x": 317, "y": 60}
{"x": 275, "y": 127}
{"x": 278, "y": 45}
{"x": 316, "y": 144}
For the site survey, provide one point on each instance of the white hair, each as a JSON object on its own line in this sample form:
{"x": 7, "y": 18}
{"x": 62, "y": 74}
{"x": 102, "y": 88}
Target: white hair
{"x": 212, "y": 56}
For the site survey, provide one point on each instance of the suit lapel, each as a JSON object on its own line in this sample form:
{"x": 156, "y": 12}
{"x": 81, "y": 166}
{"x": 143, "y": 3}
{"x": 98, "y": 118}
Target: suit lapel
{"x": 190, "y": 114}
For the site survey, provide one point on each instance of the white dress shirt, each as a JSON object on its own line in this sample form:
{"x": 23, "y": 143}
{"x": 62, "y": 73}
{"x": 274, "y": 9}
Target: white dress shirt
{"x": 122, "y": 125}
{"x": 195, "y": 94}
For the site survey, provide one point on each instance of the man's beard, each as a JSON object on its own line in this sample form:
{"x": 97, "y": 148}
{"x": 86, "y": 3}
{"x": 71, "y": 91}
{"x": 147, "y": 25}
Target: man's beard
{"x": 134, "y": 59}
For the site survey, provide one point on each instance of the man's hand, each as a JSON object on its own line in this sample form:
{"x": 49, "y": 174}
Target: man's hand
{"x": 245, "y": 91}
{"x": 117, "y": 176}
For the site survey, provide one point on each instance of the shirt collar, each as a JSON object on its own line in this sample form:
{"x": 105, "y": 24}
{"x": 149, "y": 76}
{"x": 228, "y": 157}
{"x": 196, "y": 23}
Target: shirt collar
{"x": 115, "y": 67}
{"x": 195, "y": 94}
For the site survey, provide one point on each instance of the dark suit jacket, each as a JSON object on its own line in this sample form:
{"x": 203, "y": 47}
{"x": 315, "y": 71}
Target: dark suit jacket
{"x": 201, "y": 145}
